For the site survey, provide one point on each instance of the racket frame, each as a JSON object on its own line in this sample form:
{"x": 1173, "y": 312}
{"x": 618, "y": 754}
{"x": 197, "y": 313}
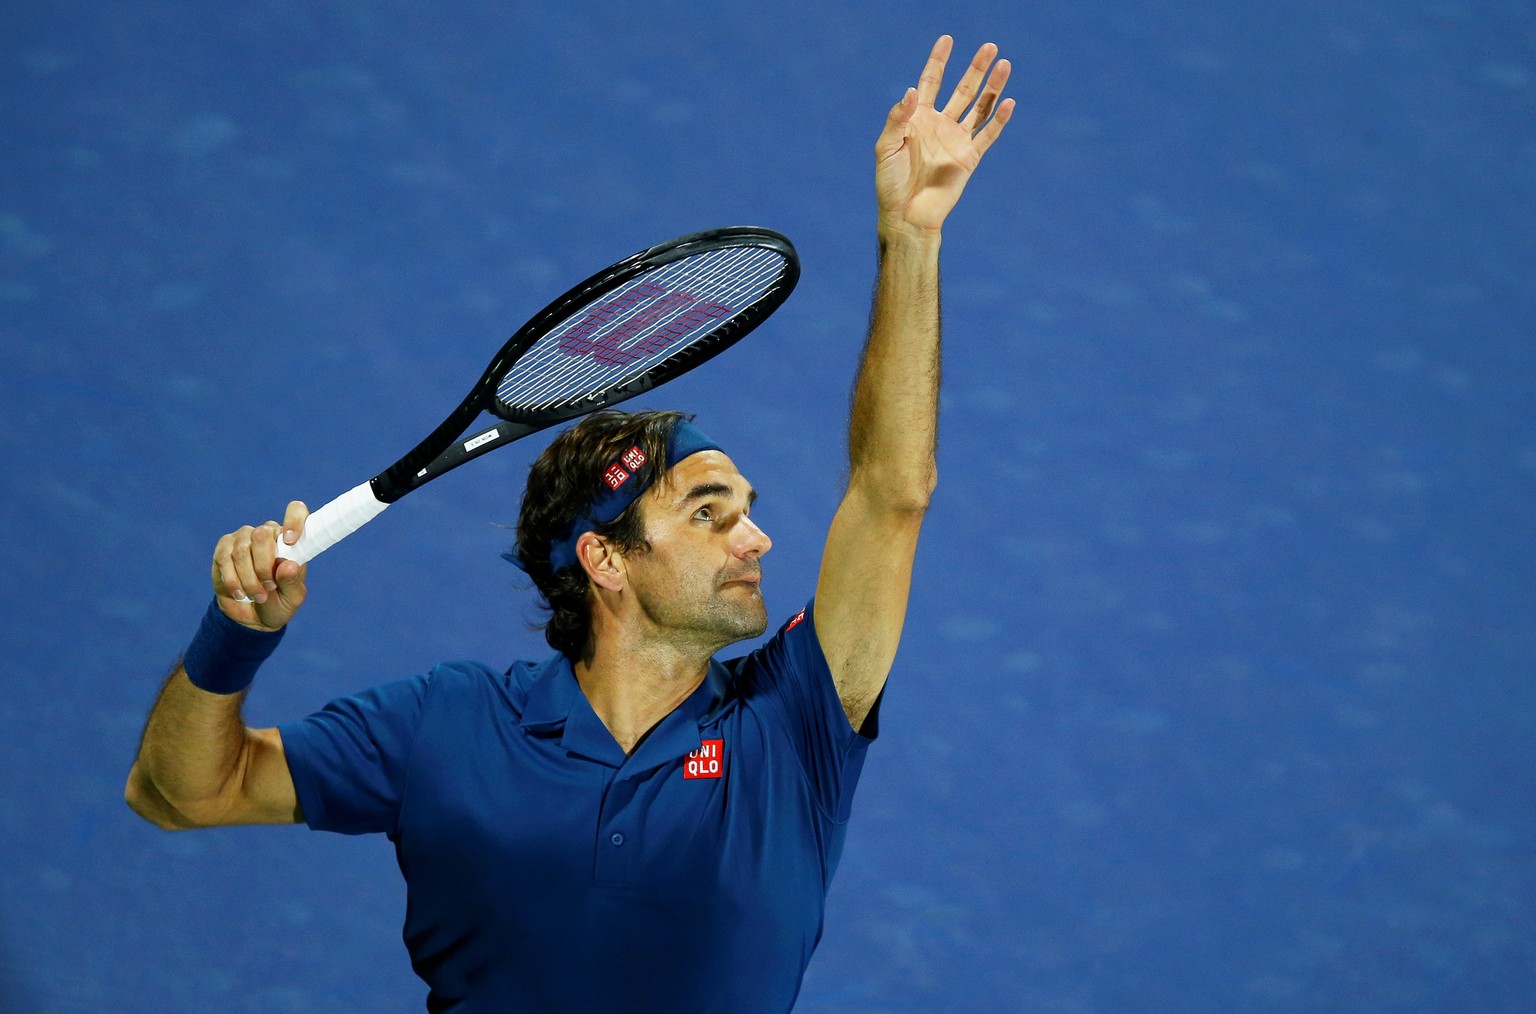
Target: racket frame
{"x": 445, "y": 448}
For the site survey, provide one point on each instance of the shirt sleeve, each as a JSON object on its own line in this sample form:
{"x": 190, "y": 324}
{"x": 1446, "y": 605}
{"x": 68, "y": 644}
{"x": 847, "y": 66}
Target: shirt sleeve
{"x": 350, "y": 759}
{"x": 790, "y": 679}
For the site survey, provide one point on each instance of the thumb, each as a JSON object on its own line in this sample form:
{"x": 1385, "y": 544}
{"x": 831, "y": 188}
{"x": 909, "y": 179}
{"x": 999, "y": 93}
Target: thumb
{"x": 894, "y": 134}
{"x": 293, "y": 521}
{"x": 290, "y": 587}
{"x": 281, "y": 606}
{"x": 290, "y": 577}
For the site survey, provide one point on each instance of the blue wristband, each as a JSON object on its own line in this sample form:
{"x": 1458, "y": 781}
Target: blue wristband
{"x": 224, "y": 655}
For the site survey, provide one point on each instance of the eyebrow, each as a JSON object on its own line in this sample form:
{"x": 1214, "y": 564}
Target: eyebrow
{"x": 704, "y": 490}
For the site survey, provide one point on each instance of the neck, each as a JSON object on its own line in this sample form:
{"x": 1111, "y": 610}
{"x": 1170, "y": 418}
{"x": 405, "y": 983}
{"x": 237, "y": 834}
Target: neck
{"x": 633, "y": 683}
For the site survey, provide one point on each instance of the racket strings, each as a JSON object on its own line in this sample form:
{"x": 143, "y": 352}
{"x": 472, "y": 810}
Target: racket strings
{"x": 631, "y": 330}
{"x": 627, "y": 332}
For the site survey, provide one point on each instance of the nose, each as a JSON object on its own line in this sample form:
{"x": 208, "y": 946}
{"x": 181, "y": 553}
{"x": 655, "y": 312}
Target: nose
{"x": 750, "y": 540}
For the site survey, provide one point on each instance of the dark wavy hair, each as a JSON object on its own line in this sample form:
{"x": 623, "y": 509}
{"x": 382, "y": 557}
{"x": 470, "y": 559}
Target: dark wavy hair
{"x": 562, "y": 485}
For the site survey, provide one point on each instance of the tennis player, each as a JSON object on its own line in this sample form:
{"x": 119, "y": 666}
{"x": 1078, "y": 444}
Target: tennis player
{"x": 629, "y": 824}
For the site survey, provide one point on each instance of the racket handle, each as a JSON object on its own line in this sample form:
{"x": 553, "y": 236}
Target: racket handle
{"x": 332, "y": 523}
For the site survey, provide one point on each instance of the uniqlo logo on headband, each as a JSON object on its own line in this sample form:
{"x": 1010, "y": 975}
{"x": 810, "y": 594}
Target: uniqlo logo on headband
{"x": 708, "y": 761}
{"x": 634, "y": 458}
{"x": 615, "y": 476}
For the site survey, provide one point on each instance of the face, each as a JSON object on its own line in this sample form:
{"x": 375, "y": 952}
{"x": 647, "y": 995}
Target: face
{"x": 701, "y": 577}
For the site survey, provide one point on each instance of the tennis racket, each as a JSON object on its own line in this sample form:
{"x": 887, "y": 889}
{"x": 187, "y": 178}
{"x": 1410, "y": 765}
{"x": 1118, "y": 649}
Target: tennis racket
{"x": 651, "y": 317}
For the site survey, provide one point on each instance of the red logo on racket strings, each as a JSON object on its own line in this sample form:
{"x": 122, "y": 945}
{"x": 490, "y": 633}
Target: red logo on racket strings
{"x": 639, "y": 322}
{"x": 708, "y": 761}
{"x": 615, "y": 476}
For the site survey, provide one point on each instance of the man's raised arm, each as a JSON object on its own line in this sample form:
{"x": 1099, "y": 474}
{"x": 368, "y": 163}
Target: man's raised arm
{"x": 923, "y": 159}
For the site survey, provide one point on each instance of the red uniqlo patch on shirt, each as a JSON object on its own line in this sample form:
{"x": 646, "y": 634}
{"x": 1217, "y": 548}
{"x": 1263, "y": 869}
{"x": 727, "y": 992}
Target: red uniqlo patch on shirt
{"x": 707, "y": 761}
{"x": 792, "y": 624}
{"x": 615, "y": 476}
{"x": 634, "y": 458}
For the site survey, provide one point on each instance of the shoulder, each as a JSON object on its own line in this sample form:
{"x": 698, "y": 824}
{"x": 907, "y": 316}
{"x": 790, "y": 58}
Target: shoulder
{"x": 794, "y": 648}
{"x": 463, "y": 680}
{"x": 466, "y": 676}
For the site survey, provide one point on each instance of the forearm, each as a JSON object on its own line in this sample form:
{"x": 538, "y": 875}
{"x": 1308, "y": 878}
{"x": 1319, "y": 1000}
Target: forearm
{"x": 190, "y": 755}
{"x": 893, "y": 430}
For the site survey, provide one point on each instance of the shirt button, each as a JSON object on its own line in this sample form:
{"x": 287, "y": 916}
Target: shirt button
{"x": 617, "y": 839}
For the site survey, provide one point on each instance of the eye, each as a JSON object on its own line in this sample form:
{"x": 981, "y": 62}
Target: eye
{"x": 704, "y": 514}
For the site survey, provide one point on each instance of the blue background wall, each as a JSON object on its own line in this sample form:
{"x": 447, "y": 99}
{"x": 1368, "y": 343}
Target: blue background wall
{"x": 1217, "y": 692}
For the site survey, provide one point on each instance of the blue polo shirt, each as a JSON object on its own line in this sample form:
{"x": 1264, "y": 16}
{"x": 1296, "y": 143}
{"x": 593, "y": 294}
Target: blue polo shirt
{"x": 547, "y": 871}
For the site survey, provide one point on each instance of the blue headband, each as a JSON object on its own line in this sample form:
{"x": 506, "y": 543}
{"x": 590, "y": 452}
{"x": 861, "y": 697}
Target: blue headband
{"x": 624, "y": 480}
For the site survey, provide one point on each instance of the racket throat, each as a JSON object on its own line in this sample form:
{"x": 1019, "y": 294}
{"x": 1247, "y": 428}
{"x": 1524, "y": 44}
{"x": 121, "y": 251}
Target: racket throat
{"x": 415, "y": 470}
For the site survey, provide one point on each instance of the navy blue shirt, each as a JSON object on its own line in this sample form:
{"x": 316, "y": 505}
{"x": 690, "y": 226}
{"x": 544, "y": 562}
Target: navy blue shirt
{"x": 547, "y": 871}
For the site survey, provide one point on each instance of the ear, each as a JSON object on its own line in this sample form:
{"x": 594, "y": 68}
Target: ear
{"x": 603, "y": 563}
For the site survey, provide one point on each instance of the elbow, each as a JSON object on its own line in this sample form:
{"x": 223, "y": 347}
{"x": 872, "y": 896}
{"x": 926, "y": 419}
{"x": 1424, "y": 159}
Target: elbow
{"x": 913, "y": 496}
{"x": 914, "y": 507}
{"x": 136, "y": 795}
{"x": 930, "y": 483}
{"x": 144, "y": 799}
{"x": 905, "y": 495}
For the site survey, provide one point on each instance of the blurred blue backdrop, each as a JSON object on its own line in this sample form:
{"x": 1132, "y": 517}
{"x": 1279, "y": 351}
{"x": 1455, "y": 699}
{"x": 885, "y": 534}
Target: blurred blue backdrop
{"x": 1217, "y": 692}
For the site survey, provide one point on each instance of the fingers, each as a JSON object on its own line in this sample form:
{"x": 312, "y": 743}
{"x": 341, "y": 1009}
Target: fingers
{"x": 965, "y": 91}
{"x": 973, "y": 111}
{"x": 994, "y": 126}
{"x": 933, "y": 72}
{"x": 243, "y": 562}
{"x": 246, "y": 565}
{"x": 226, "y": 583}
{"x": 264, "y": 559}
{"x": 982, "y": 110}
{"x": 253, "y": 585}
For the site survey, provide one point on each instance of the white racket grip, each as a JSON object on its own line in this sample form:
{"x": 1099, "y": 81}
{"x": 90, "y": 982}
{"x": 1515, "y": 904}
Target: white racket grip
{"x": 332, "y": 523}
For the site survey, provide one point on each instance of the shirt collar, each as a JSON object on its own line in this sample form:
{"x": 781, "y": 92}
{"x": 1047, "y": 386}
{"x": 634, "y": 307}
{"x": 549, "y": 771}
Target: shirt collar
{"x": 556, "y": 703}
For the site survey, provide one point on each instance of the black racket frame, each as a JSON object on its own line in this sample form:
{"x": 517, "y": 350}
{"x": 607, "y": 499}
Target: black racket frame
{"x": 444, "y": 450}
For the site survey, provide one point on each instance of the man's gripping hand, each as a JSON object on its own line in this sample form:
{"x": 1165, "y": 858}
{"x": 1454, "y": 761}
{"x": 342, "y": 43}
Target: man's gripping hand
{"x": 925, "y": 155}
{"x": 252, "y": 586}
